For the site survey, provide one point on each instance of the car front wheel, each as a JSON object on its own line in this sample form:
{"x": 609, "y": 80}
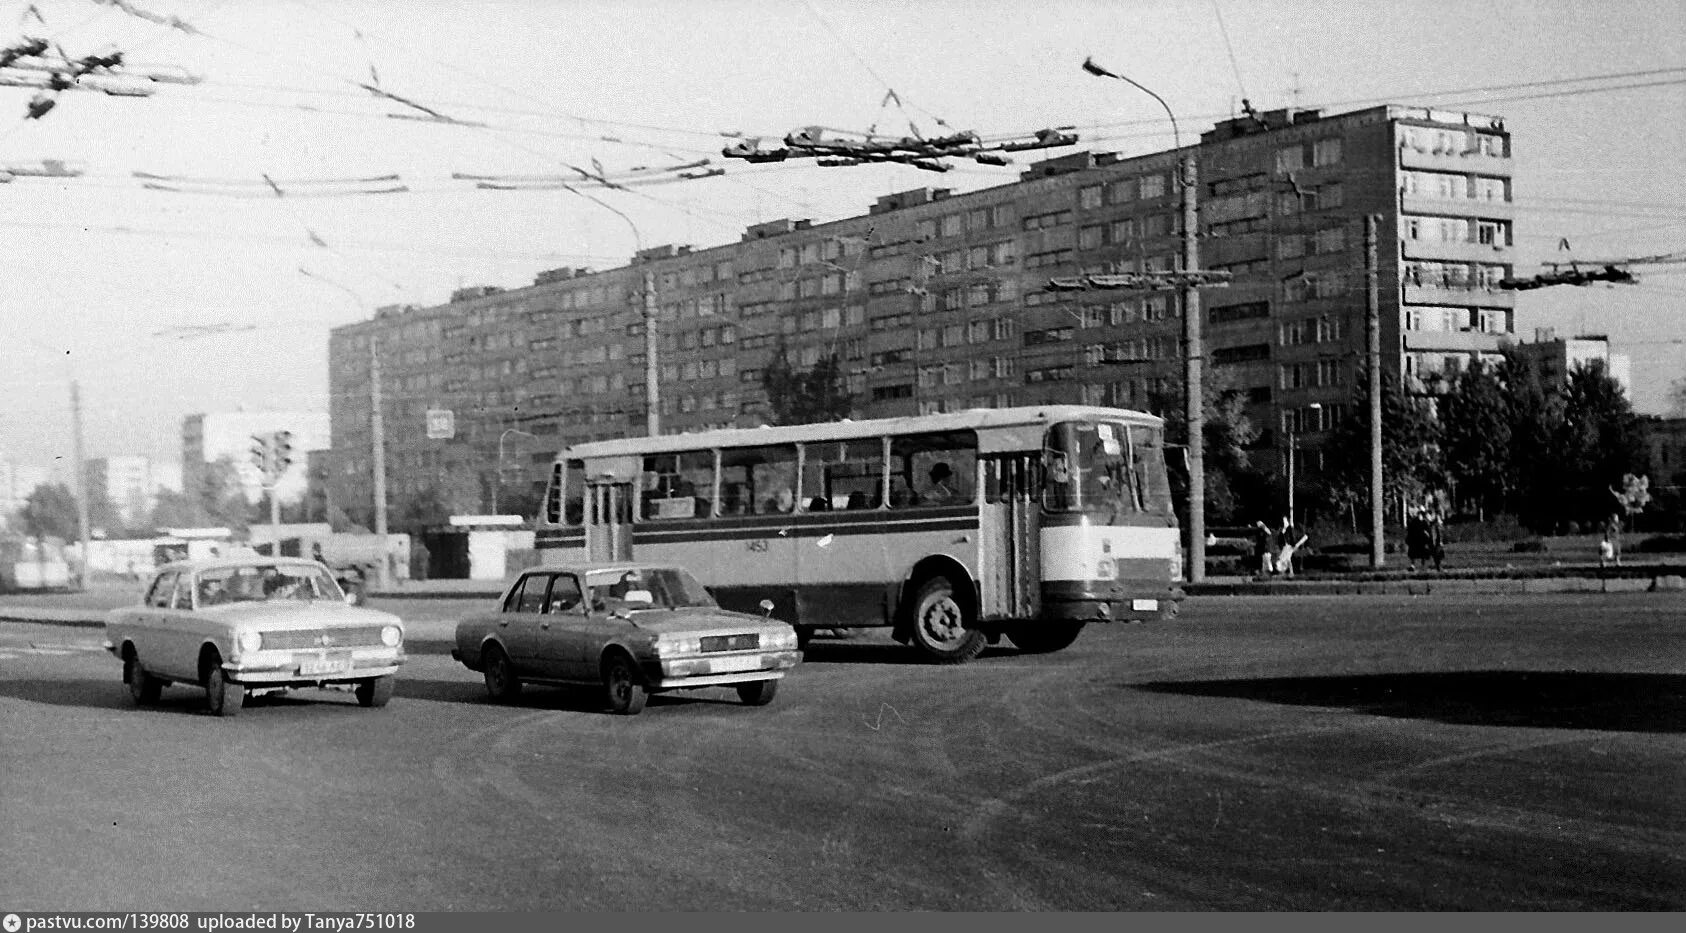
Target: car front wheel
{"x": 758, "y": 692}
{"x": 143, "y": 687}
{"x": 374, "y": 691}
{"x": 625, "y": 692}
{"x": 223, "y": 695}
{"x": 501, "y": 683}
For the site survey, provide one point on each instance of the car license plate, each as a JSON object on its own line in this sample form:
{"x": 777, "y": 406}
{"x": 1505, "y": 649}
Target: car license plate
{"x": 1144, "y": 605}
{"x": 324, "y": 664}
{"x": 747, "y": 662}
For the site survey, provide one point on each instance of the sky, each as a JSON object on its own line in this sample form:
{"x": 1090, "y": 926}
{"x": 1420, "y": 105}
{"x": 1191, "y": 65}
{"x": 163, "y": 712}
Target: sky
{"x": 219, "y": 293}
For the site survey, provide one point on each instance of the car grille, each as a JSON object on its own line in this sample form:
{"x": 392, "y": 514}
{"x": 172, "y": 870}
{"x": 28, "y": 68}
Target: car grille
{"x": 322, "y": 638}
{"x": 747, "y": 642}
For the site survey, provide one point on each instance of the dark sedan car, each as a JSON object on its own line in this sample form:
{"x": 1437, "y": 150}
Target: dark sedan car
{"x": 635, "y": 629}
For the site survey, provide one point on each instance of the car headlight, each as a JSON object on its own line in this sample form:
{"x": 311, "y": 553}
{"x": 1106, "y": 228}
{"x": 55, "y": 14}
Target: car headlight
{"x": 673, "y": 646}
{"x": 251, "y": 641}
{"x": 391, "y": 635}
{"x": 781, "y": 641}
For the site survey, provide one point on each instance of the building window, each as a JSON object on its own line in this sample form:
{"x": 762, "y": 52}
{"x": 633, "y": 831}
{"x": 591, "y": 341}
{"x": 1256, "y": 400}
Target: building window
{"x": 1152, "y": 186}
{"x": 1326, "y": 152}
{"x": 1089, "y": 198}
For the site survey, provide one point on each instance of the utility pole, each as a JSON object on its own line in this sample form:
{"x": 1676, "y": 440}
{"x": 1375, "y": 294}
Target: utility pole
{"x": 1193, "y": 347}
{"x": 1373, "y": 355}
{"x": 652, "y": 384}
{"x": 377, "y": 439}
{"x": 84, "y": 537}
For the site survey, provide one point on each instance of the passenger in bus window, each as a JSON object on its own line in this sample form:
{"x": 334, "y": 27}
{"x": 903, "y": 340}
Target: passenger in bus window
{"x": 941, "y": 490}
{"x": 783, "y": 501}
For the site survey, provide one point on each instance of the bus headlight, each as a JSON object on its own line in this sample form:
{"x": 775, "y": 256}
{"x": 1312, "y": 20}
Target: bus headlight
{"x": 1106, "y": 569}
{"x": 391, "y": 635}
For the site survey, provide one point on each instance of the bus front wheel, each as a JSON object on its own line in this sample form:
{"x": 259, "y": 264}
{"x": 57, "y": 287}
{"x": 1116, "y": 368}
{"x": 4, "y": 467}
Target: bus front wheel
{"x": 1044, "y": 637}
{"x": 941, "y": 626}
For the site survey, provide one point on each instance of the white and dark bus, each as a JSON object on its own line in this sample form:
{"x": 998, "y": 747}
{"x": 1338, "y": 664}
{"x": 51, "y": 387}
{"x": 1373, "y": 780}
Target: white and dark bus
{"x": 954, "y": 529}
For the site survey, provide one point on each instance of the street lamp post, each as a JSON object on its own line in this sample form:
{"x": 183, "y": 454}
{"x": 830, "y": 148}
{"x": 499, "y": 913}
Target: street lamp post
{"x": 1293, "y": 446}
{"x": 498, "y": 486}
{"x": 1195, "y": 412}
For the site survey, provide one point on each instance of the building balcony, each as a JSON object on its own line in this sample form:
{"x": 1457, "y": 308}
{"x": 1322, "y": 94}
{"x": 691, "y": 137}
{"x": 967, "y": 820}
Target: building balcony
{"x": 1458, "y": 296}
{"x": 1459, "y": 341}
{"x": 1483, "y": 253}
{"x": 1470, "y": 163}
{"x": 1456, "y": 207}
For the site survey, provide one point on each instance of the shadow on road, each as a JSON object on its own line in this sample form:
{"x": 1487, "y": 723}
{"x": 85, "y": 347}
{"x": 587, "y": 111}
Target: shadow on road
{"x": 578, "y": 699}
{"x": 1536, "y": 699}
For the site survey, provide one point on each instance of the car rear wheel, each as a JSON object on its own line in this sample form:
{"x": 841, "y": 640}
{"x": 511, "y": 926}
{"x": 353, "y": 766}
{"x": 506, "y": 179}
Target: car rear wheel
{"x": 625, "y": 692}
{"x": 940, "y": 625}
{"x": 501, "y": 683}
{"x": 758, "y": 692}
{"x": 143, "y": 687}
{"x": 1044, "y": 637}
{"x": 374, "y": 691}
{"x": 223, "y": 695}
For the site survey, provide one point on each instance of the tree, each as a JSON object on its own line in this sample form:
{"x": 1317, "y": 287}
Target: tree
{"x": 1234, "y": 489}
{"x": 1475, "y": 426}
{"x": 819, "y": 395}
{"x": 221, "y": 497}
{"x": 1411, "y": 452}
{"x": 1605, "y": 439}
{"x": 416, "y": 513}
{"x": 50, "y": 512}
{"x": 171, "y": 509}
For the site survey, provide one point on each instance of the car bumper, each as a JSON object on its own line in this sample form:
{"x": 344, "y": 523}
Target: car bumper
{"x": 735, "y": 668}
{"x": 278, "y": 668}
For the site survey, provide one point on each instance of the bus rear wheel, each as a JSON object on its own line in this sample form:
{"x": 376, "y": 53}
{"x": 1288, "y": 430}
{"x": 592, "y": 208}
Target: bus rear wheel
{"x": 940, "y": 625}
{"x": 1044, "y": 637}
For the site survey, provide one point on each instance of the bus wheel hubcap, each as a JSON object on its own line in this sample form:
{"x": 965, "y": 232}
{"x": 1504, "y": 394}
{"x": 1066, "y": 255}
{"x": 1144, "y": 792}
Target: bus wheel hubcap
{"x": 942, "y": 621}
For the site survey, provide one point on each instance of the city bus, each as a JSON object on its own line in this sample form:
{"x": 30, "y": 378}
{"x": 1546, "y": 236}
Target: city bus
{"x": 953, "y": 529}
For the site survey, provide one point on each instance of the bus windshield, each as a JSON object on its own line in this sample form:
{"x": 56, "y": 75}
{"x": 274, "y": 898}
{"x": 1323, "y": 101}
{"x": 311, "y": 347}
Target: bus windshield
{"x": 1102, "y": 466}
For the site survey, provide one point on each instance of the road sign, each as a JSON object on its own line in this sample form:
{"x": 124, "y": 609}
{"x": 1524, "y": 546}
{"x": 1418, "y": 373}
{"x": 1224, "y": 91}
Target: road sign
{"x": 441, "y": 424}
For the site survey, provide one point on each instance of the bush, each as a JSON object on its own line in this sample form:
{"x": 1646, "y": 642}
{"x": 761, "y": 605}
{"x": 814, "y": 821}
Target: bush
{"x": 1661, "y": 544}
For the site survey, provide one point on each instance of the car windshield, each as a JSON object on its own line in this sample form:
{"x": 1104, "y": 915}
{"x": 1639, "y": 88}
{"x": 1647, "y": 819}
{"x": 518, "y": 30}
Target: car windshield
{"x": 263, "y": 583}
{"x": 664, "y": 587}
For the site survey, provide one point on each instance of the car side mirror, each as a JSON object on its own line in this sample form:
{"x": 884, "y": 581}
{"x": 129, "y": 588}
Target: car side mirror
{"x": 767, "y": 607}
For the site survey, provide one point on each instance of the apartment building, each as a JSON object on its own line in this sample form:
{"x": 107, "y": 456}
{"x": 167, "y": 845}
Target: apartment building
{"x": 936, "y": 301}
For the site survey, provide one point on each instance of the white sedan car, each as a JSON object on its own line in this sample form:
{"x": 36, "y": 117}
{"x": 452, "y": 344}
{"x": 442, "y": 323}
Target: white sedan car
{"x": 259, "y": 623}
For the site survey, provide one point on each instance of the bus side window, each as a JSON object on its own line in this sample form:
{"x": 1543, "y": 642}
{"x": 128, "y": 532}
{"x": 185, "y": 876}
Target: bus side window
{"x": 937, "y": 469}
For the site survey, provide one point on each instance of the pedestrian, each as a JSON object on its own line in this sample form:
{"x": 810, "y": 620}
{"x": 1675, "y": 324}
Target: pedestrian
{"x": 1416, "y": 539}
{"x": 1264, "y": 559}
{"x": 1436, "y": 539}
{"x": 1613, "y": 534}
{"x": 1292, "y": 540}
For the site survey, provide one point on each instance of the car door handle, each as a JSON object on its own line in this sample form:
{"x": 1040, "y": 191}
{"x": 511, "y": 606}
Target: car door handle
{"x": 504, "y": 624}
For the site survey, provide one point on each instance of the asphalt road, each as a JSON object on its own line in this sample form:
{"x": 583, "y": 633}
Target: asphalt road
{"x": 1370, "y": 753}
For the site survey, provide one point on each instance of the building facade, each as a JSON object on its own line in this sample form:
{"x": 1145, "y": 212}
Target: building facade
{"x": 936, "y": 301}
{"x": 1557, "y": 357}
{"x": 131, "y": 484}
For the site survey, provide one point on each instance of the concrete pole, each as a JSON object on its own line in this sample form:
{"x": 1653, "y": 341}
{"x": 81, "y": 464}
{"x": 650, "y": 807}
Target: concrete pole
{"x": 1194, "y": 352}
{"x": 377, "y": 440}
{"x": 84, "y": 535}
{"x": 1373, "y": 352}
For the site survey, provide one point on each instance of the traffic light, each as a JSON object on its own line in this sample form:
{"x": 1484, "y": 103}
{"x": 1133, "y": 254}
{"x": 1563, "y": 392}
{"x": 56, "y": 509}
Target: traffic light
{"x": 283, "y": 451}
{"x": 262, "y": 453}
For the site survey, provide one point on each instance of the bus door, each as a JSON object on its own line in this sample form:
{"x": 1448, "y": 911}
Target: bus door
{"x": 1009, "y": 562}
{"x": 608, "y": 524}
